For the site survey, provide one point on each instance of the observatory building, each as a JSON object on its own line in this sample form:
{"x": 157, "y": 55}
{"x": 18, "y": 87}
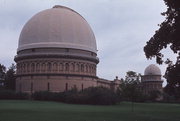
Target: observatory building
{"x": 57, "y": 51}
{"x": 151, "y": 80}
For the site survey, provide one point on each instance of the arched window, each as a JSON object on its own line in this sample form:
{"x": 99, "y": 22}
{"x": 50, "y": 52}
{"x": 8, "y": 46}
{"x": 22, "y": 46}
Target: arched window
{"x": 43, "y": 67}
{"x": 73, "y": 67}
{"x": 49, "y": 67}
{"x": 86, "y": 68}
{"x": 66, "y": 67}
{"x": 90, "y": 70}
{"x": 24, "y": 68}
{"x": 61, "y": 67}
{"x": 32, "y": 67}
{"x": 28, "y": 67}
{"x": 78, "y": 68}
{"x": 55, "y": 67}
{"x": 37, "y": 67}
{"x": 82, "y": 68}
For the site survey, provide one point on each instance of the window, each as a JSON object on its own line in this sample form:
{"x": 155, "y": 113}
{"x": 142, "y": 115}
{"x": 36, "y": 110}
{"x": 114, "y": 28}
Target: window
{"x": 28, "y": 67}
{"x": 82, "y": 68}
{"x": 32, "y": 67}
{"x": 67, "y": 67}
{"x": 24, "y": 67}
{"x": 78, "y": 68}
{"x": 49, "y": 66}
{"x": 66, "y": 87}
{"x": 90, "y": 69}
{"x": 73, "y": 67}
{"x": 61, "y": 67}
{"x": 37, "y": 67}
{"x": 43, "y": 67}
{"x": 55, "y": 67}
{"x": 86, "y": 68}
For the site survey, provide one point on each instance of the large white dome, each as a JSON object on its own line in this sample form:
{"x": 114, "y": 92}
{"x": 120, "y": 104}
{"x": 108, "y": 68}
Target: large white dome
{"x": 152, "y": 70}
{"x": 58, "y": 27}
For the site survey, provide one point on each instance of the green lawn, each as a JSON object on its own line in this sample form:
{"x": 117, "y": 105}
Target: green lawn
{"x": 13, "y": 110}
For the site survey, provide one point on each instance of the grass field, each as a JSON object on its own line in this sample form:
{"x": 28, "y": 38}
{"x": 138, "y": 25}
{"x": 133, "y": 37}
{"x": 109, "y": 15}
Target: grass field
{"x": 13, "y": 110}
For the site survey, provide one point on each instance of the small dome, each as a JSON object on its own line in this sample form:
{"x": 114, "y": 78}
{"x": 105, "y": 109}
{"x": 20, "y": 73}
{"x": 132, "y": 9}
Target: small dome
{"x": 152, "y": 70}
{"x": 58, "y": 27}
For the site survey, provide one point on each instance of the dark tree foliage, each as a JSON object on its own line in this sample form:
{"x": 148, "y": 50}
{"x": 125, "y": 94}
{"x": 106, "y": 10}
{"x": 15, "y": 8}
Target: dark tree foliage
{"x": 10, "y": 78}
{"x": 130, "y": 88}
{"x": 132, "y": 76}
{"x": 167, "y": 35}
{"x": 2, "y": 76}
{"x": 2, "y": 72}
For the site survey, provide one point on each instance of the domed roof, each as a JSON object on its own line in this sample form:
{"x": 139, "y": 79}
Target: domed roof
{"x": 152, "y": 70}
{"x": 58, "y": 27}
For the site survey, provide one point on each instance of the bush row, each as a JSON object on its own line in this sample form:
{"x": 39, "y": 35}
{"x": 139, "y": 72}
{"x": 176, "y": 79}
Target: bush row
{"x": 92, "y": 95}
{"x": 10, "y": 94}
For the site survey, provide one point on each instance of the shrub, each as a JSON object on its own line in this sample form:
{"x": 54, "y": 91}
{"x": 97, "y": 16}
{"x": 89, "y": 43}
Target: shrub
{"x": 43, "y": 95}
{"x": 10, "y": 94}
{"x": 99, "y": 96}
{"x": 154, "y": 95}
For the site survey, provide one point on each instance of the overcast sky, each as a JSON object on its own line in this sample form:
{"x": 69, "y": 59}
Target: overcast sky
{"x": 121, "y": 27}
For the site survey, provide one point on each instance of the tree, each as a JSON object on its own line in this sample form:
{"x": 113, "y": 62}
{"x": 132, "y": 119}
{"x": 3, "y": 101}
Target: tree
{"x": 167, "y": 35}
{"x": 132, "y": 76}
{"x": 10, "y": 78}
{"x": 2, "y": 75}
{"x": 129, "y": 89}
{"x": 2, "y": 72}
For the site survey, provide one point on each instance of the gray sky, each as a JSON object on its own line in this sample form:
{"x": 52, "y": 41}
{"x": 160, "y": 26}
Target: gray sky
{"x": 121, "y": 27}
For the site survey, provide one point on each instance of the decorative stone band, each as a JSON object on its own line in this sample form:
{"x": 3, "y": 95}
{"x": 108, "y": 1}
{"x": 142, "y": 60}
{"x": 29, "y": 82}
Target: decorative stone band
{"x": 56, "y": 66}
{"x": 57, "y": 74}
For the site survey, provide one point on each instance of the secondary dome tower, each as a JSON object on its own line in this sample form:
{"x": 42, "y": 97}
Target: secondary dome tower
{"x": 151, "y": 79}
